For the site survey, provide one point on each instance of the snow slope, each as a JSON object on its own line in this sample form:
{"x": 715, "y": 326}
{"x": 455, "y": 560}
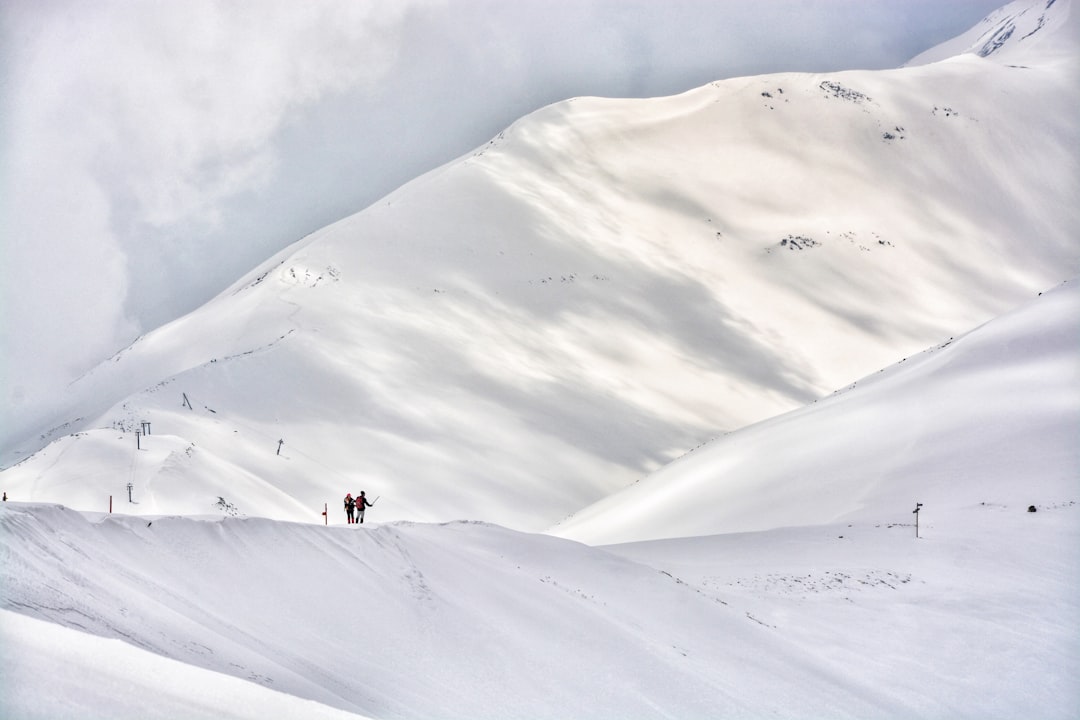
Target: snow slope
{"x": 462, "y": 620}
{"x": 607, "y": 283}
{"x": 849, "y": 615}
{"x": 990, "y": 417}
{"x": 467, "y": 620}
{"x": 52, "y": 671}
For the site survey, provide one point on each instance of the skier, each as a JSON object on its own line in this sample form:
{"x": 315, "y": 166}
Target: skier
{"x": 350, "y": 506}
{"x": 361, "y": 503}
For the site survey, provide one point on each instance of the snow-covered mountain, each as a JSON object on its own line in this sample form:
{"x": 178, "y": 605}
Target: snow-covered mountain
{"x": 605, "y": 285}
{"x": 430, "y": 348}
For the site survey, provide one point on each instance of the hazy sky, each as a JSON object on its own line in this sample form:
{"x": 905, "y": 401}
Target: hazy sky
{"x": 152, "y": 151}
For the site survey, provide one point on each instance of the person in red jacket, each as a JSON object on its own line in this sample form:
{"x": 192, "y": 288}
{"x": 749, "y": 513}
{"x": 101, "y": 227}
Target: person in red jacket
{"x": 361, "y": 503}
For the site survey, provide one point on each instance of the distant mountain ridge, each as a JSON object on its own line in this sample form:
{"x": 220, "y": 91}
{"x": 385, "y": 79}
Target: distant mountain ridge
{"x": 603, "y": 286}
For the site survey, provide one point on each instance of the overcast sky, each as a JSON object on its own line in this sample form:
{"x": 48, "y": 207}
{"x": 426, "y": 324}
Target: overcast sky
{"x": 153, "y": 151}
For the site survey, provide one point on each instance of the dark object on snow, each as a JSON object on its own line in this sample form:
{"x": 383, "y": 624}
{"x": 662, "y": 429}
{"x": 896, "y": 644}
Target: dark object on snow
{"x": 1031, "y": 508}
{"x": 5, "y": 497}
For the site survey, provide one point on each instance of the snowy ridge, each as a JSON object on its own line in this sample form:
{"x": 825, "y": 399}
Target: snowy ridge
{"x": 471, "y": 620}
{"x": 396, "y": 621}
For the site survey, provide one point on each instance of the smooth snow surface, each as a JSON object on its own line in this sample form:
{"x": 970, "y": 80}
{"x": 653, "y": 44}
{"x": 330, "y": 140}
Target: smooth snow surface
{"x": 991, "y": 416}
{"x": 975, "y": 620}
{"x": 52, "y": 671}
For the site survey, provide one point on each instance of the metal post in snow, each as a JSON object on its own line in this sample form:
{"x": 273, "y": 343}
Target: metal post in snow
{"x": 110, "y": 504}
{"x": 138, "y": 441}
{"x": 279, "y": 444}
{"x": 918, "y": 505}
{"x": 129, "y": 486}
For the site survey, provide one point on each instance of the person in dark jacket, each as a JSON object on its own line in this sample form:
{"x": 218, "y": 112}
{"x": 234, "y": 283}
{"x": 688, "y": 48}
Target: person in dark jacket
{"x": 350, "y": 507}
{"x": 361, "y": 503}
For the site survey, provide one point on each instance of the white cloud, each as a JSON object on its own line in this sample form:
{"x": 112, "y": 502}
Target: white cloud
{"x": 185, "y": 98}
{"x": 127, "y": 117}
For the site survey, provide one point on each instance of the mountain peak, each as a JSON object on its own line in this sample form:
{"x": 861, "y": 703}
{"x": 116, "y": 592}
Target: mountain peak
{"x": 1021, "y": 32}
